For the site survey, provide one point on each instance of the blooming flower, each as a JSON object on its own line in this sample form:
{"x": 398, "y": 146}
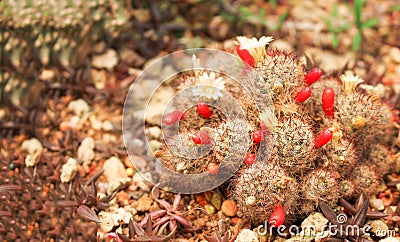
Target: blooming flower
{"x": 254, "y": 46}
{"x": 195, "y": 62}
{"x": 350, "y": 82}
{"x": 209, "y": 86}
{"x": 269, "y": 119}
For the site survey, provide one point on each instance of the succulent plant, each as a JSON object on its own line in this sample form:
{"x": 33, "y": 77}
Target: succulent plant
{"x": 330, "y": 136}
{"x": 169, "y": 214}
{"x": 37, "y": 208}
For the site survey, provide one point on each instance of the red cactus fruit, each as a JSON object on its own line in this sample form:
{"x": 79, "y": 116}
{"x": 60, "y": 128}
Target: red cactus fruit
{"x": 277, "y": 217}
{"x": 245, "y": 56}
{"x": 172, "y": 117}
{"x": 250, "y": 158}
{"x": 257, "y": 136}
{"x": 303, "y": 95}
{"x": 212, "y": 168}
{"x": 328, "y": 102}
{"x": 203, "y": 109}
{"x": 313, "y": 76}
{"x": 201, "y": 137}
{"x": 324, "y": 137}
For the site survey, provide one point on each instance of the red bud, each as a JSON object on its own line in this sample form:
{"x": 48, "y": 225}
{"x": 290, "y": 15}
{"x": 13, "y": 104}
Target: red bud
{"x": 172, "y": 117}
{"x": 203, "y": 109}
{"x": 313, "y": 76}
{"x": 245, "y": 56}
{"x": 257, "y": 136}
{"x": 277, "y": 217}
{"x": 201, "y": 137}
{"x": 328, "y": 102}
{"x": 303, "y": 95}
{"x": 250, "y": 158}
{"x": 324, "y": 137}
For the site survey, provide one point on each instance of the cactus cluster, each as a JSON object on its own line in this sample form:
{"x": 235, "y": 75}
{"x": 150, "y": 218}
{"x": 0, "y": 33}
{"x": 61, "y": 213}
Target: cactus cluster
{"x": 331, "y": 136}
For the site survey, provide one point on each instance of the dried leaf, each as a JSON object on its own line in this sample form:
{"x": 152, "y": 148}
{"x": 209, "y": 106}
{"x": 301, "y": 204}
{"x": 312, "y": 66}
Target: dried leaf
{"x": 348, "y": 206}
{"x": 5, "y": 214}
{"x": 359, "y": 218}
{"x": 87, "y": 213}
{"x": 329, "y": 214}
{"x": 375, "y": 215}
{"x": 4, "y": 188}
{"x": 176, "y": 202}
{"x": 94, "y": 178}
{"x": 67, "y": 203}
{"x": 108, "y": 198}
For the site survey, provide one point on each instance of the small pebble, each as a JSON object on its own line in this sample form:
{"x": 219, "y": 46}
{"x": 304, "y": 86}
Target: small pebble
{"x": 115, "y": 173}
{"x": 64, "y": 126}
{"x": 85, "y": 150}
{"x": 121, "y": 216}
{"x": 395, "y": 54}
{"x": 155, "y": 132}
{"x": 377, "y": 203}
{"x": 122, "y": 198}
{"x": 95, "y": 123}
{"x": 315, "y": 220}
{"x": 32, "y": 146}
{"x": 69, "y": 170}
{"x": 378, "y": 227}
{"x": 79, "y": 107}
{"x": 74, "y": 122}
{"x": 107, "y": 222}
{"x": 130, "y": 171}
{"x": 229, "y": 208}
{"x": 144, "y": 204}
{"x": 246, "y": 235}
{"x": 107, "y": 60}
{"x": 209, "y": 209}
{"x": 107, "y": 126}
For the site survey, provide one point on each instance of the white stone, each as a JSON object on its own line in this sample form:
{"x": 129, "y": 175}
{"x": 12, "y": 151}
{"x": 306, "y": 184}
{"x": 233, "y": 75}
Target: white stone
{"x": 246, "y": 235}
{"x": 107, "y": 222}
{"x": 107, "y": 60}
{"x": 79, "y": 107}
{"x": 95, "y": 123}
{"x": 74, "y": 122}
{"x": 121, "y": 216}
{"x": 316, "y": 221}
{"x": 377, "y": 203}
{"x": 32, "y": 146}
{"x": 154, "y": 132}
{"x": 115, "y": 173}
{"x": 107, "y": 126}
{"x": 395, "y": 54}
{"x": 32, "y": 160}
{"x": 85, "y": 150}
{"x": 69, "y": 170}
